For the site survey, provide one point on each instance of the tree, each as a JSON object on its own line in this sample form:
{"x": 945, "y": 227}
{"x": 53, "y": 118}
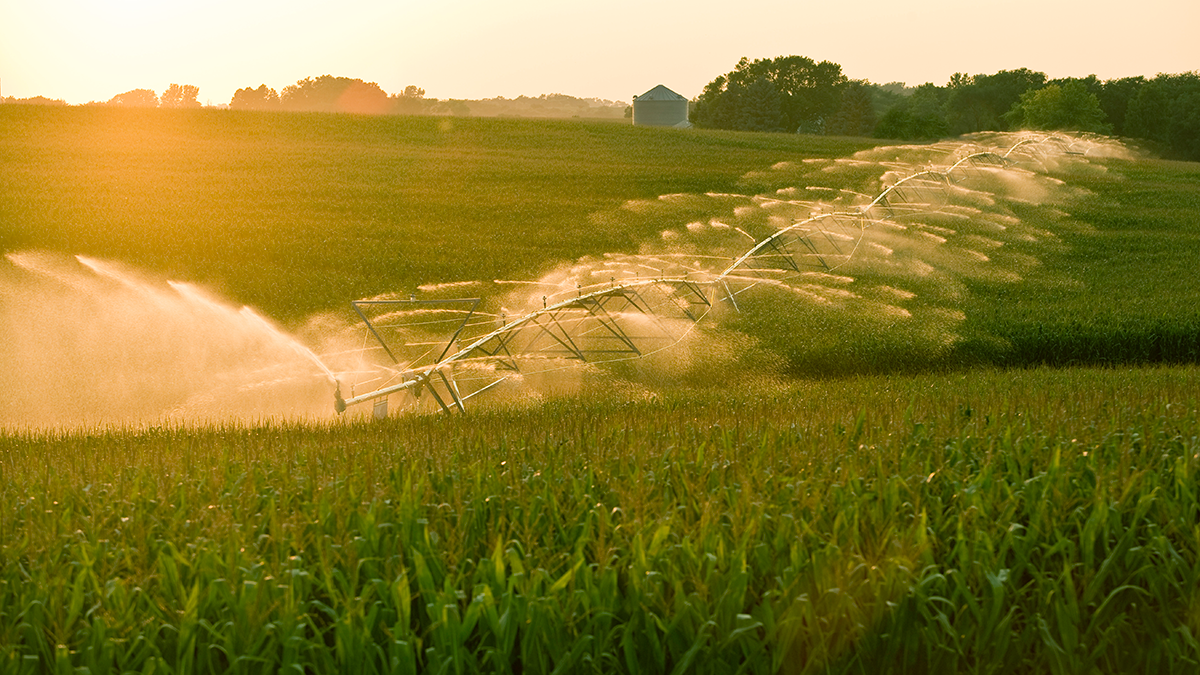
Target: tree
{"x": 760, "y": 108}
{"x": 856, "y": 115}
{"x": 978, "y": 103}
{"x": 33, "y": 100}
{"x": 261, "y": 98}
{"x": 451, "y": 107}
{"x": 809, "y": 92}
{"x": 716, "y": 105}
{"x": 1166, "y": 110}
{"x": 884, "y": 97}
{"x": 177, "y": 96}
{"x": 1115, "y": 96}
{"x": 896, "y": 123}
{"x": 960, "y": 80}
{"x": 1147, "y": 114}
{"x": 364, "y": 98}
{"x": 1053, "y": 107}
{"x": 334, "y": 94}
{"x": 928, "y": 105}
{"x": 921, "y": 117}
{"x": 410, "y": 102}
{"x": 136, "y": 98}
{"x": 1185, "y": 119}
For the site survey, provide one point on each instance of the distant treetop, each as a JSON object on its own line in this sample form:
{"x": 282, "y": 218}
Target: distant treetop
{"x": 135, "y": 98}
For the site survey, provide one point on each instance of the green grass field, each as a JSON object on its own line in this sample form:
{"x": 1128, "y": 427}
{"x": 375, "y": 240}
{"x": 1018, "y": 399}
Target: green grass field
{"x": 1022, "y": 499}
{"x": 296, "y": 213}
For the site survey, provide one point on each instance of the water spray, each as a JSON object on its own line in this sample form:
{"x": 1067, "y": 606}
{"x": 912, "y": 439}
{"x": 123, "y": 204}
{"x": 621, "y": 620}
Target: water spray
{"x": 89, "y": 341}
{"x": 632, "y": 317}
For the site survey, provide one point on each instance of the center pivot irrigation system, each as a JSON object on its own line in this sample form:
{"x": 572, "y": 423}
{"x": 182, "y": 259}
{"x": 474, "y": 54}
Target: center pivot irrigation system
{"x": 645, "y": 305}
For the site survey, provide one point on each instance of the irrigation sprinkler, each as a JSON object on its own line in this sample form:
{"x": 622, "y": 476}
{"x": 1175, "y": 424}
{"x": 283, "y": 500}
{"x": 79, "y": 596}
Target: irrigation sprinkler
{"x": 452, "y": 351}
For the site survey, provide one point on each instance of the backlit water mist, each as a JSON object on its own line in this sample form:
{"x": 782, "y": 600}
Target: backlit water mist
{"x": 93, "y": 342}
{"x": 861, "y": 264}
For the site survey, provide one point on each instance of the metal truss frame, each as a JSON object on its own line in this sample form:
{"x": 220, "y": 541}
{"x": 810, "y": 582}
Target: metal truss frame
{"x": 595, "y": 326}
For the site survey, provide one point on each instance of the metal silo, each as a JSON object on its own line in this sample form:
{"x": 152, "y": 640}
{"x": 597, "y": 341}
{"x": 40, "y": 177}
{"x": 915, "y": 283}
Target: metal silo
{"x": 660, "y": 107}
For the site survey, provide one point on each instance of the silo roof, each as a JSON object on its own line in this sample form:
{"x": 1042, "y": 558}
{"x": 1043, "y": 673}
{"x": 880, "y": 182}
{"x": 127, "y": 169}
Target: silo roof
{"x": 659, "y": 93}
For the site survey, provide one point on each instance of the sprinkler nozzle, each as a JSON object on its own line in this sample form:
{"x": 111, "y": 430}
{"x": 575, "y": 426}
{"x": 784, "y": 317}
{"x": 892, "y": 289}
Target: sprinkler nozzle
{"x": 339, "y": 403}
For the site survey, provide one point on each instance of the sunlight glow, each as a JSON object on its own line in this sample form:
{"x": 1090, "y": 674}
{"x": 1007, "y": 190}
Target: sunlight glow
{"x": 81, "y": 50}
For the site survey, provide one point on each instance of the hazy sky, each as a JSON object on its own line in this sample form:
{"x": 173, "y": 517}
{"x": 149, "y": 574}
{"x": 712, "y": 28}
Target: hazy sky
{"x": 84, "y": 50}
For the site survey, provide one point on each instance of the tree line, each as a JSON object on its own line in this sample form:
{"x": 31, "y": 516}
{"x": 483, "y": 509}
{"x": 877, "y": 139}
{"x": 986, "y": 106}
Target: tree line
{"x": 795, "y": 94}
{"x": 342, "y": 94}
{"x": 327, "y": 93}
{"x": 331, "y": 94}
{"x": 174, "y": 96}
{"x": 322, "y": 94}
{"x": 798, "y": 95}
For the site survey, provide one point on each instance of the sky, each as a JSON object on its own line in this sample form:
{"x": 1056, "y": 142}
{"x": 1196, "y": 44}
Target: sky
{"x": 92, "y": 50}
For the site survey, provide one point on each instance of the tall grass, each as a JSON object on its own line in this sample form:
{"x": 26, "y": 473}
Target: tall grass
{"x": 1036, "y": 521}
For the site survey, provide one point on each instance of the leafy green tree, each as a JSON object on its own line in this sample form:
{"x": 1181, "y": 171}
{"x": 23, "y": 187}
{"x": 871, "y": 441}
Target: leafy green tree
{"x": 1185, "y": 118}
{"x": 451, "y": 107}
{"x": 334, "y": 94}
{"x": 177, "y": 96}
{"x": 1185, "y": 122}
{"x": 1115, "y": 96}
{"x": 717, "y": 104}
{"x": 919, "y": 117}
{"x": 1166, "y": 110}
{"x": 760, "y": 108}
{"x": 1148, "y": 111}
{"x": 978, "y": 103}
{"x": 856, "y": 115}
{"x": 365, "y": 98}
{"x": 929, "y": 101}
{"x": 1066, "y": 106}
{"x": 1090, "y": 83}
{"x": 409, "y": 102}
{"x": 136, "y": 98}
{"x": 884, "y": 97}
{"x": 262, "y": 98}
{"x": 895, "y": 123}
{"x": 33, "y": 100}
{"x": 960, "y": 80}
{"x": 809, "y": 92}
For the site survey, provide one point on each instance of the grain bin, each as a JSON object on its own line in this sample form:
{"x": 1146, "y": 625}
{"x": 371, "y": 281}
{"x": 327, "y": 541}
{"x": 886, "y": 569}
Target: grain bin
{"x": 660, "y": 107}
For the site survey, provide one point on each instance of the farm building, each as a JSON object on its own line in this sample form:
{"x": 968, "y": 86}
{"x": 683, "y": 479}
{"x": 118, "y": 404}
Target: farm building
{"x": 660, "y": 107}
